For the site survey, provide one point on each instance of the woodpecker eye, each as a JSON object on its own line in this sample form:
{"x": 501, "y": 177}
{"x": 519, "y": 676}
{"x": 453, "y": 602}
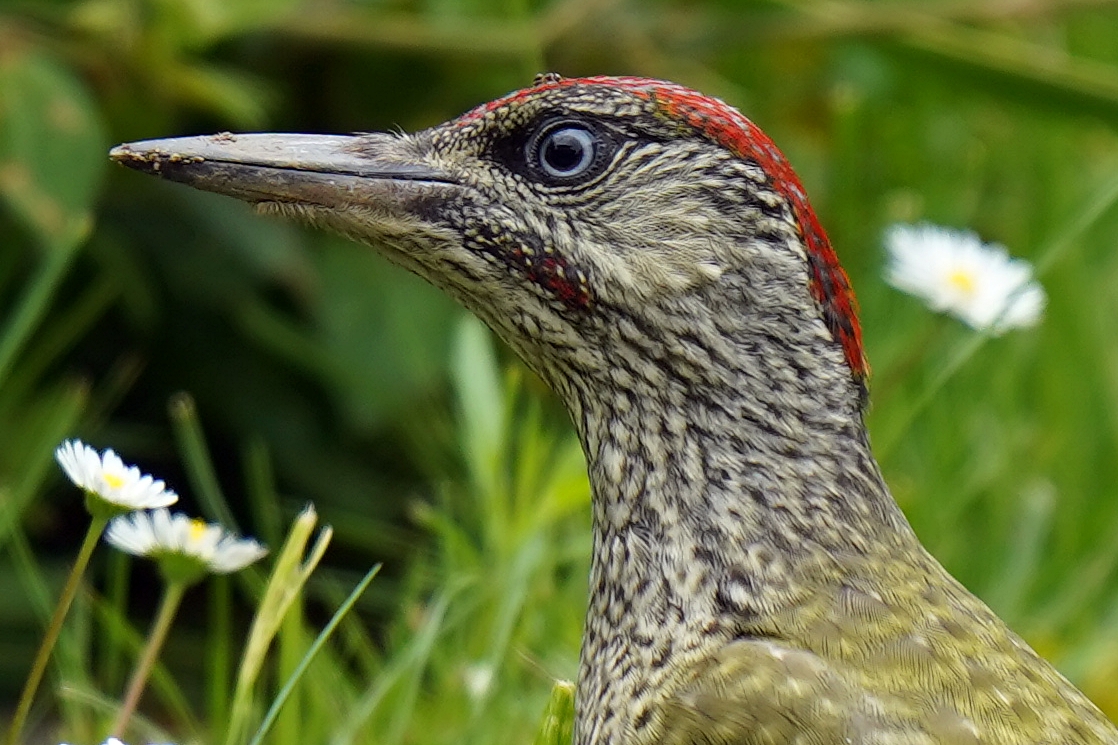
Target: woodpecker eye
{"x": 564, "y": 150}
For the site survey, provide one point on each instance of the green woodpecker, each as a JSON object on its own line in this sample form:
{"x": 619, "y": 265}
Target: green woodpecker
{"x": 649, "y": 252}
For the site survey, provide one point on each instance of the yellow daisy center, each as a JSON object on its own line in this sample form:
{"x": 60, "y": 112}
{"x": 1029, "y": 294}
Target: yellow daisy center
{"x": 962, "y": 280}
{"x": 114, "y": 481}
{"x": 197, "y": 529}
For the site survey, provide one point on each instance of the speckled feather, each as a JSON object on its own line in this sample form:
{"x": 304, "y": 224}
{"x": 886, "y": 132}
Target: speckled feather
{"x": 725, "y": 125}
{"x": 752, "y": 582}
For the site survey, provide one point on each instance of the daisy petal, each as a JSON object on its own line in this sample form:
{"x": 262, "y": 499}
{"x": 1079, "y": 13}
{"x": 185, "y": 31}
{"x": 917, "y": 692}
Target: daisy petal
{"x": 182, "y": 543}
{"x": 106, "y": 479}
{"x": 954, "y": 272}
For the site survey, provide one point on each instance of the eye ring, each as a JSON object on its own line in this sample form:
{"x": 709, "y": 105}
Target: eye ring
{"x": 565, "y": 150}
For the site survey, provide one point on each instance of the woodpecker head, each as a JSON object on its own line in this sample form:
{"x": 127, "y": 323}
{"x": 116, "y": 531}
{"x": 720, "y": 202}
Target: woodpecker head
{"x": 585, "y": 220}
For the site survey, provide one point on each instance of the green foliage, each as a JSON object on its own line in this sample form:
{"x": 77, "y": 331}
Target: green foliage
{"x": 50, "y": 134}
{"x": 559, "y": 716}
{"x": 321, "y": 374}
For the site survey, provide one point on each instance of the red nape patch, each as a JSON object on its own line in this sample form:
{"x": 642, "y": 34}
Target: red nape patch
{"x": 725, "y": 125}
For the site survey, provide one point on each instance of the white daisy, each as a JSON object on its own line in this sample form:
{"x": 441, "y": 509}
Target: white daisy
{"x": 955, "y": 272}
{"x": 184, "y": 547}
{"x": 113, "y": 486}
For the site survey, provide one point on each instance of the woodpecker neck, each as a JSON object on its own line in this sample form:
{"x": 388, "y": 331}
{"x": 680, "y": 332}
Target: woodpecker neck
{"x": 740, "y": 452}
{"x": 724, "y": 398}
{"x": 685, "y": 459}
{"x": 728, "y": 459}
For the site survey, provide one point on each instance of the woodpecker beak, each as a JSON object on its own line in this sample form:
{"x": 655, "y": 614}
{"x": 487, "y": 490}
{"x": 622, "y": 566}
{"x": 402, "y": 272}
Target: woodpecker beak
{"x": 329, "y": 171}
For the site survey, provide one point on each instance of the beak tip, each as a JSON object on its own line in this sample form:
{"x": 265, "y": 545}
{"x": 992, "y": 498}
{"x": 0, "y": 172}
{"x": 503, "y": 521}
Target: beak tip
{"x": 148, "y": 159}
{"x": 123, "y": 154}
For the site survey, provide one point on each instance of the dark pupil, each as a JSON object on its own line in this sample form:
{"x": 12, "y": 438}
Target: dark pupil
{"x": 564, "y": 151}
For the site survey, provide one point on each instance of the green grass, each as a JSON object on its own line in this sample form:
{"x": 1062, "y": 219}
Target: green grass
{"x": 314, "y": 372}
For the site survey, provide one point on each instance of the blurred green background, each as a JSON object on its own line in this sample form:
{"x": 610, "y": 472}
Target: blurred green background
{"x": 145, "y": 316}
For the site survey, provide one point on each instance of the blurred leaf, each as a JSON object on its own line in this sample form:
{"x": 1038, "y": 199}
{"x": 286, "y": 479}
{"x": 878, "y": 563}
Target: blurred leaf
{"x": 386, "y": 332}
{"x": 478, "y": 382}
{"x": 1016, "y": 67}
{"x": 219, "y": 18}
{"x": 293, "y": 565}
{"x": 238, "y": 96}
{"x": 405, "y": 31}
{"x": 1008, "y": 64}
{"x": 27, "y": 441}
{"x": 32, "y": 306}
{"x": 1007, "y": 595}
{"x": 289, "y": 686}
{"x": 51, "y": 146}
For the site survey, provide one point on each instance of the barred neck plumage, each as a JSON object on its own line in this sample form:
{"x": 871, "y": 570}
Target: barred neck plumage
{"x": 665, "y": 450}
{"x": 728, "y": 458}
